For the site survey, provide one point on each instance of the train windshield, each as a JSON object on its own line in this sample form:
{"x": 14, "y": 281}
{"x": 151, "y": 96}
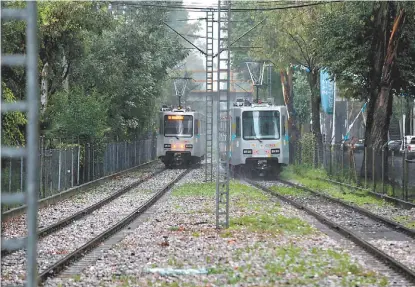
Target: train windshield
{"x": 258, "y": 125}
{"x": 178, "y": 126}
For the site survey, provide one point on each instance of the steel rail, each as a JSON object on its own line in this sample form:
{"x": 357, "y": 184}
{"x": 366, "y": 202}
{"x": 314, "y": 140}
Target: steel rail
{"x": 390, "y": 223}
{"x": 54, "y": 227}
{"x": 75, "y": 255}
{"x": 401, "y": 268}
{"x": 391, "y": 199}
{"x": 71, "y": 191}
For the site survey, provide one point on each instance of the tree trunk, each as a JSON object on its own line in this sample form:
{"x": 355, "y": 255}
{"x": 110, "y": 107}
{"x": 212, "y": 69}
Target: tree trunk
{"x": 315, "y": 115}
{"x": 380, "y": 102}
{"x": 44, "y": 88}
{"x": 288, "y": 93}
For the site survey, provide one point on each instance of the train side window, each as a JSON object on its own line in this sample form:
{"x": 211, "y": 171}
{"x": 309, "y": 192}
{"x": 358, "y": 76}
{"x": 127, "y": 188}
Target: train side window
{"x": 196, "y": 127}
{"x": 238, "y": 127}
{"x": 161, "y": 130}
{"x": 283, "y": 126}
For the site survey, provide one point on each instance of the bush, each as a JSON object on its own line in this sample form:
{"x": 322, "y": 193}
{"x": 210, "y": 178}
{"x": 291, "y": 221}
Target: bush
{"x": 306, "y": 149}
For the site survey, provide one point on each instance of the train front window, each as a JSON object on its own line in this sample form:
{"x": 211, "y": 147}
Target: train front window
{"x": 178, "y": 126}
{"x": 261, "y": 125}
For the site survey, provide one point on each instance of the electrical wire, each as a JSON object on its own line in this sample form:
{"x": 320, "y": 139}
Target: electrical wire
{"x": 213, "y": 8}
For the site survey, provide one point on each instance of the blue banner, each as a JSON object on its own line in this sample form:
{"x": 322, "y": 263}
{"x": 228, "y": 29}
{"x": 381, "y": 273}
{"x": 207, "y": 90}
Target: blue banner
{"x": 326, "y": 92}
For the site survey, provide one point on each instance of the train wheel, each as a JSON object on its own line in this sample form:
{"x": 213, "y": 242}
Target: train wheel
{"x": 273, "y": 174}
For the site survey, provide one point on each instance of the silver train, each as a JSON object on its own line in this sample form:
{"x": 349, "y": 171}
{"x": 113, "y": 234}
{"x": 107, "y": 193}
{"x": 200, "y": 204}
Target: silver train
{"x": 181, "y": 138}
{"x": 259, "y": 138}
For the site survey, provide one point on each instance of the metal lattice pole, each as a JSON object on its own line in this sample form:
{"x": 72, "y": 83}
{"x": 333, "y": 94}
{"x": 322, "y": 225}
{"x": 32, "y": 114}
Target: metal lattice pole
{"x": 223, "y": 116}
{"x": 30, "y": 152}
{"x": 209, "y": 97}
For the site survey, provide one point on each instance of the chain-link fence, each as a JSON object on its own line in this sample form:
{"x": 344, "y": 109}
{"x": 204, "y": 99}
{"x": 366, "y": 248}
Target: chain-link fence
{"x": 389, "y": 172}
{"x": 61, "y": 169}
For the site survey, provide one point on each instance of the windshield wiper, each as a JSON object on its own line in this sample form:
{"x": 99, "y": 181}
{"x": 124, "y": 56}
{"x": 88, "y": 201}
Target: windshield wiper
{"x": 258, "y": 139}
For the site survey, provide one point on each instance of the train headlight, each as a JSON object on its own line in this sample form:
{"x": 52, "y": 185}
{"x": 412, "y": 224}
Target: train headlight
{"x": 247, "y": 151}
{"x": 189, "y": 146}
{"x": 275, "y": 151}
{"x": 167, "y": 145}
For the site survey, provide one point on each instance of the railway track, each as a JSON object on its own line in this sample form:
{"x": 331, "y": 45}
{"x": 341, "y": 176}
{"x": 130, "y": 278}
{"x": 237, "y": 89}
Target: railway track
{"x": 388, "y": 241}
{"x": 52, "y": 228}
{"x": 394, "y": 200}
{"x": 66, "y": 242}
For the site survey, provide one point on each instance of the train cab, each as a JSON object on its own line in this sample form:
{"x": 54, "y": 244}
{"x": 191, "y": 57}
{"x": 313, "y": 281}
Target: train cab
{"x": 259, "y": 140}
{"x": 181, "y": 137}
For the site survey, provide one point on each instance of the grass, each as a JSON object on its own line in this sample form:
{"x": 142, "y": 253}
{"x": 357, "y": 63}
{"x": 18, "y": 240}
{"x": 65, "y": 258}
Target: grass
{"x": 313, "y": 265}
{"x": 405, "y": 221}
{"x": 209, "y": 190}
{"x": 295, "y": 266}
{"x": 77, "y": 278}
{"x": 308, "y": 178}
{"x": 275, "y": 224}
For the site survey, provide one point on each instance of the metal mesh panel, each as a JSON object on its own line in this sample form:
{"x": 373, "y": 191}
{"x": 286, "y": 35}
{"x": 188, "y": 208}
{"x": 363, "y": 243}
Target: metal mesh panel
{"x": 65, "y": 168}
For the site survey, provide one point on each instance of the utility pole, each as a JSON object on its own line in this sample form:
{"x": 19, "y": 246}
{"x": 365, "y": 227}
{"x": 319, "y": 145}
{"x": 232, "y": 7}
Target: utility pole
{"x": 223, "y": 115}
{"x": 209, "y": 97}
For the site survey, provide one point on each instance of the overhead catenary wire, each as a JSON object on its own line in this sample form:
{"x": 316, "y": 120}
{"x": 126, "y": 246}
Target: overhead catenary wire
{"x": 213, "y": 8}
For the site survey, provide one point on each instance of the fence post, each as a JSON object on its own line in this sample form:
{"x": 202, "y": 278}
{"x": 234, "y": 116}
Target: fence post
{"x": 41, "y": 184}
{"x": 373, "y": 169}
{"x": 125, "y": 155}
{"x": 21, "y": 173}
{"x": 72, "y": 166}
{"x": 405, "y": 189}
{"x": 365, "y": 160}
{"x": 78, "y": 163}
{"x": 393, "y": 172}
{"x": 331, "y": 159}
{"x": 65, "y": 172}
{"x": 93, "y": 161}
{"x": 403, "y": 173}
{"x": 116, "y": 156}
{"x": 135, "y": 152}
{"x": 383, "y": 170}
{"x": 59, "y": 171}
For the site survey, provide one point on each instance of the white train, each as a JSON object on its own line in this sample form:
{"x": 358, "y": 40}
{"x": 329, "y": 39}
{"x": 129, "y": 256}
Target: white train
{"x": 259, "y": 138}
{"x": 181, "y": 138}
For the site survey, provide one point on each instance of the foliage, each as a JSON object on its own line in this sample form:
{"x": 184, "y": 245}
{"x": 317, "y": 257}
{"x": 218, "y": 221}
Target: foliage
{"x": 302, "y": 97}
{"x": 307, "y": 149}
{"x": 355, "y": 40}
{"x": 77, "y": 114}
{"x": 12, "y": 123}
{"x": 117, "y": 57}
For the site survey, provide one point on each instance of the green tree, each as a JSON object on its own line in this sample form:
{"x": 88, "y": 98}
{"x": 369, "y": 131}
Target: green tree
{"x": 77, "y": 114}
{"x": 12, "y": 123}
{"x": 370, "y": 47}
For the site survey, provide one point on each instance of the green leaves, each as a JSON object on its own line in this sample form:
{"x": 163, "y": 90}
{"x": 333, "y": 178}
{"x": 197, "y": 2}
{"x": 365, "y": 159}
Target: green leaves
{"x": 78, "y": 114}
{"x": 12, "y": 123}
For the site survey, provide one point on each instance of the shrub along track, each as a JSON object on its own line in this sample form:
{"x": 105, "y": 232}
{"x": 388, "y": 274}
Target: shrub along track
{"x": 389, "y": 241}
{"x": 61, "y": 251}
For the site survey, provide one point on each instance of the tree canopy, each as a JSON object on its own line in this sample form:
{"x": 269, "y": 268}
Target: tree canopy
{"x": 102, "y": 66}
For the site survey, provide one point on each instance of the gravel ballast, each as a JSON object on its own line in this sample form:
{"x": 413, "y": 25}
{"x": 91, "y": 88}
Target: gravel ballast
{"x": 59, "y": 244}
{"x": 16, "y": 226}
{"x": 396, "y": 244}
{"x": 268, "y": 244}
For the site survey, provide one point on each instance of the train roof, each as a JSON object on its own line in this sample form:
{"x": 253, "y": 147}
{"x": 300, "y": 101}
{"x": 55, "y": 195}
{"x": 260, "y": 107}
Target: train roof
{"x": 259, "y": 107}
